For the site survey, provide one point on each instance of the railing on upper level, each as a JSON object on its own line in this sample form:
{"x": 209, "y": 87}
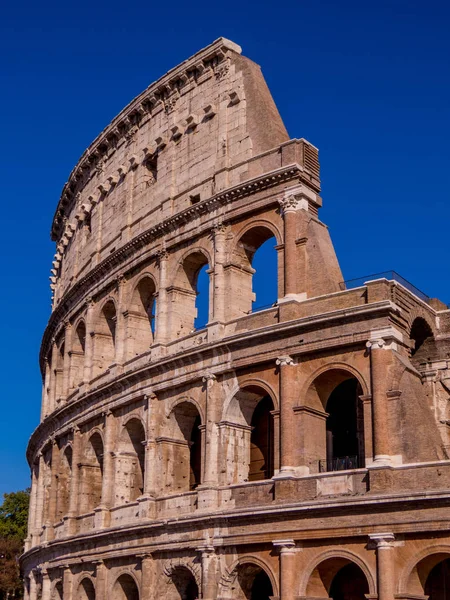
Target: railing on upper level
{"x": 342, "y": 463}
{"x": 391, "y": 276}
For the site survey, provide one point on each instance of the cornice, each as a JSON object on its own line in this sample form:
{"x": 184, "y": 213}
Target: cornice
{"x": 81, "y": 287}
{"x": 157, "y": 94}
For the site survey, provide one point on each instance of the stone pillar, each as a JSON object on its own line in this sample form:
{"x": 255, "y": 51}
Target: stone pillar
{"x": 89, "y": 342}
{"x": 101, "y": 581}
{"x": 147, "y": 500}
{"x": 102, "y": 512}
{"x": 33, "y": 585}
{"x": 67, "y": 583}
{"x": 53, "y": 376}
{"x": 379, "y": 363}
{"x": 120, "y": 336}
{"x": 208, "y": 495}
{"x": 32, "y": 510}
{"x": 148, "y": 580}
{"x": 385, "y": 564}
{"x": 45, "y": 408}
{"x": 209, "y": 572}
{"x": 46, "y": 584}
{"x": 67, "y": 358}
{"x": 162, "y": 308}
{"x": 74, "y": 481}
{"x": 288, "y": 397}
{"x": 39, "y": 500}
{"x": 287, "y": 568}
{"x": 219, "y": 233}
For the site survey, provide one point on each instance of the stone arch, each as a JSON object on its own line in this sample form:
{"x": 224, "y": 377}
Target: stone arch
{"x": 229, "y": 581}
{"x": 248, "y": 434}
{"x": 333, "y": 434}
{"x": 181, "y": 574}
{"x": 140, "y": 316}
{"x": 105, "y": 335}
{"x": 249, "y": 382}
{"x": 130, "y": 460}
{"x": 125, "y": 587}
{"x": 239, "y": 270}
{"x": 414, "y": 576}
{"x": 85, "y": 589}
{"x": 318, "y": 576}
{"x": 180, "y": 450}
{"x": 91, "y": 474}
{"x": 173, "y": 403}
{"x": 420, "y": 332}
{"x": 421, "y": 313}
{"x": 57, "y": 592}
{"x": 184, "y": 290}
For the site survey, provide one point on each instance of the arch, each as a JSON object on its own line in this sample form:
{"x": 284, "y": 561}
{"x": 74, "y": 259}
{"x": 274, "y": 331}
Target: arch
{"x": 414, "y": 576}
{"x": 78, "y": 354}
{"x": 125, "y": 587}
{"x": 336, "y": 365}
{"x": 130, "y": 461}
{"x": 140, "y": 316}
{"x": 92, "y": 472}
{"x": 64, "y": 478}
{"x": 184, "y": 585}
{"x": 241, "y": 276}
{"x": 420, "y": 332}
{"x": 173, "y": 403}
{"x": 239, "y": 577}
{"x": 318, "y": 576}
{"x": 85, "y": 589}
{"x": 58, "y": 368}
{"x": 105, "y": 336}
{"x": 185, "y": 292}
{"x": 181, "y": 450}
{"x": 333, "y": 434}
{"x": 57, "y": 592}
{"x": 246, "y": 383}
{"x": 248, "y": 435}
{"x": 261, "y": 223}
{"x": 186, "y": 563}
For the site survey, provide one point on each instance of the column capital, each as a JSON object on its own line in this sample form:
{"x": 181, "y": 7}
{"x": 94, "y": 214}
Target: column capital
{"x": 376, "y": 344}
{"x": 382, "y": 540}
{"x": 162, "y": 255}
{"x": 285, "y": 546}
{"x": 292, "y": 203}
{"x": 284, "y": 361}
{"x": 209, "y": 378}
{"x": 219, "y": 228}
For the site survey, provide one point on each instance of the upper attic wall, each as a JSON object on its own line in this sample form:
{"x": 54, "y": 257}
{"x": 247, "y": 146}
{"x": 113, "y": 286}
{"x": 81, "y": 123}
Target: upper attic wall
{"x": 187, "y": 137}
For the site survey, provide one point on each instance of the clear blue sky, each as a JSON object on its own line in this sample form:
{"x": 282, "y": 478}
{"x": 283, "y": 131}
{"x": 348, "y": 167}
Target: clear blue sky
{"x": 366, "y": 82}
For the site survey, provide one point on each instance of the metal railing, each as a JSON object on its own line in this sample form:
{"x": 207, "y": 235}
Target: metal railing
{"x": 391, "y": 276}
{"x": 342, "y": 463}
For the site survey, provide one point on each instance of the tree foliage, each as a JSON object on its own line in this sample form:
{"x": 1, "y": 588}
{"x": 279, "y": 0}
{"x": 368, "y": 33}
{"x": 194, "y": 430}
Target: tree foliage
{"x": 13, "y": 529}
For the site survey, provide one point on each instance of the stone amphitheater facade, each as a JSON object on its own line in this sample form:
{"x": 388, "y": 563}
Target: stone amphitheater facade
{"x": 298, "y": 451}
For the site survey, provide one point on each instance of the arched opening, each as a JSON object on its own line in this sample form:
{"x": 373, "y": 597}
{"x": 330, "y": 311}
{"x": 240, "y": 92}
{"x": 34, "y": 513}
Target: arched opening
{"x": 64, "y": 477}
{"x": 58, "y": 593}
{"x": 181, "y": 451}
{"x": 331, "y": 432}
{"x": 252, "y": 274}
{"x": 59, "y": 371}
{"x": 185, "y": 586}
{"x": 77, "y": 355}
{"x": 420, "y": 332}
{"x": 338, "y": 578}
{"x": 345, "y": 427}
{"x": 437, "y": 585}
{"x": 141, "y": 318}
{"x": 105, "y": 338}
{"x": 130, "y": 462}
{"x": 86, "y": 590}
{"x": 249, "y": 437}
{"x": 253, "y": 583}
{"x": 125, "y": 588}
{"x": 92, "y": 474}
{"x": 190, "y": 295}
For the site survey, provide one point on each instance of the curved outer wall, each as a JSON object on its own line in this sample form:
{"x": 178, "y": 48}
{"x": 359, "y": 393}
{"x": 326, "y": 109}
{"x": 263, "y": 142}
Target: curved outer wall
{"x": 175, "y": 462}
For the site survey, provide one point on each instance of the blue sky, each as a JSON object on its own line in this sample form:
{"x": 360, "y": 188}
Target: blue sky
{"x": 366, "y": 82}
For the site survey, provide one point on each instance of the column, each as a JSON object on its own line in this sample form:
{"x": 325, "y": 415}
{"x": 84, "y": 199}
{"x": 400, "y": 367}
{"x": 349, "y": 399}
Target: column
{"x": 287, "y": 551}
{"x": 108, "y": 471}
{"x": 46, "y": 584}
{"x": 162, "y": 307}
{"x": 147, "y": 500}
{"x": 67, "y": 357}
{"x": 384, "y": 543}
{"x": 32, "y": 508}
{"x": 67, "y": 583}
{"x": 219, "y": 233}
{"x": 74, "y": 481}
{"x": 209, "y": 567}
{"x": 39, "y": 500}
{"x": 101, "y": 580}
{"x": 33, "y": 585}
{"x": 53, "y": 496}
{"x": 288, "y": 397}
{"x": 121, "y": 324}
{"x": 89, "y": 343}
{"x": 45, "y": 408}
{"x": 52, "y": 385}
{"x": 379, "y": 362}
{"x": 148, "y": 580}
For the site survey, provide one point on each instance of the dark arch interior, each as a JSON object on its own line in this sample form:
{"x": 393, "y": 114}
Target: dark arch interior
{"x": 185, "y": 584}
{"x": 420, "y": 331}
{"x": 86, "y": 590}
{"x": 125, "y": 589}
{"x": 345, "y": 427}
{"x": 437, "y": 586}
{"x": 262, "y": 587}
{"x": 109, "y": 313}
{"x": 261, "y": 441}
{"x": 349, "y": 583}
{"x": 195, "y": 458}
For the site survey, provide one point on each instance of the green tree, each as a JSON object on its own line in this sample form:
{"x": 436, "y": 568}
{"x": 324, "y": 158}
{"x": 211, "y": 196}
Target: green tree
{"x": 13, "y": 529}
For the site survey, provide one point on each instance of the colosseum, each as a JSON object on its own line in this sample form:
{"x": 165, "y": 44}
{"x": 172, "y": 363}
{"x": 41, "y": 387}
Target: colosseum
{"x": 299, "y": 451}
